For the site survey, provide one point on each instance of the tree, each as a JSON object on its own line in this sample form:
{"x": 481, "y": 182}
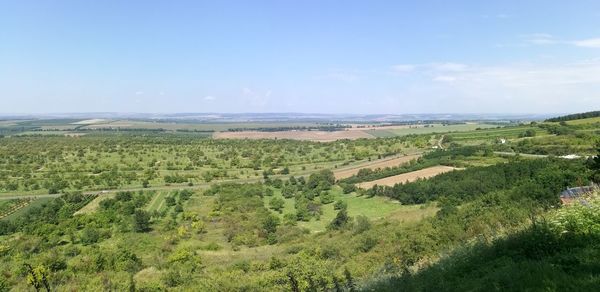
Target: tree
{"x": 170, "y": 201}
{"x": 348, "y": 188}
{"x": 277, "y": 204}
{"x": 89, "y": 235}
{"x": 326, "y": 197}
{"x": 362, "y": 224}
{"x": 339, "y": 204}
{"x": 340, "y": 220}
{"x": 270, "y": 224}
{"x": 349, "y": 280}
{"x": 595, "y": 165}
{"x": 141, "y": 221}
{"x": 38, "y": 277}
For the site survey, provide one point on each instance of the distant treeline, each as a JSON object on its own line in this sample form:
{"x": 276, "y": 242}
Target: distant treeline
{"x": 578, "y": 116}
{"x": 329, "y": 128}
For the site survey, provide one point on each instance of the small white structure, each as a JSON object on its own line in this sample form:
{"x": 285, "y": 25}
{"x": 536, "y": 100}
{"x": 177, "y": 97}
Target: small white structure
{"x": 570, "y": 156}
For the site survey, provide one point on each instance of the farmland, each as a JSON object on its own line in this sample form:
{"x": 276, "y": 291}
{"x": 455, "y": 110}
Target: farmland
{"x": 383, "y": 163}
{"x": 407, "y": 177}
{"x": 322, "y": 136}
{"x": 429, "y": 129}
{"x": 177, "y": 210}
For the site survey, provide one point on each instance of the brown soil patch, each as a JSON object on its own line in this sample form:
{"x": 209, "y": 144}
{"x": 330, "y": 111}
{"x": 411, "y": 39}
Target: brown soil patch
{"x": 407, "y": 177}
{"x": 322, "y": 136}
{"x": 388, "y": 162}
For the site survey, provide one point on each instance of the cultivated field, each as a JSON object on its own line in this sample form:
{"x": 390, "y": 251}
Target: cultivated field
{"x": 321, "y": 136}
{"x": 191, "y": 126}
{"x": 391, "y": 162}
{"x": 422, "y": 129}
{"x": 407, "y": 177}
{"x": 94, "y": 204}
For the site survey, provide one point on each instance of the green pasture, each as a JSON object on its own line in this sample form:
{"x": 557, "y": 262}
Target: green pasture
{"x": 434, "y": 128}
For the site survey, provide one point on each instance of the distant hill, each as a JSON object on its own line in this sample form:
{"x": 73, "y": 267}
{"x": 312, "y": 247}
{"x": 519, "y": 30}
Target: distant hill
{"x": 578, "y": 116}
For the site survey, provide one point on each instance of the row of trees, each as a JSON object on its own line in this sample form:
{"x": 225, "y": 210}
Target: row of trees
{"x": 543, "y": 178}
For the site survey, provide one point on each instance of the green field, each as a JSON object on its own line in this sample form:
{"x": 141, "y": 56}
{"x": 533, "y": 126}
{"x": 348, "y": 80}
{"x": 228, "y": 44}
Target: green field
{"x": 199, "y": 126}
{"x": 24, "y": 210}
{"x": 434, "y": 128}
{"x": 374, "y": 208}
{"x": 595, "y": 120}
{"x": 157, "y": 202}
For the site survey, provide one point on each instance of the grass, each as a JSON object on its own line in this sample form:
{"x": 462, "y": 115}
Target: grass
{"x": 157, "y": 203}
{"x": 435, "y": 128}
{"x": 594, "y": 120}
{"x": 24, "y": 210}
{"x": 374, "y": 208}
{"x": 495, "y": 133}
{"x": 200, "y": 126}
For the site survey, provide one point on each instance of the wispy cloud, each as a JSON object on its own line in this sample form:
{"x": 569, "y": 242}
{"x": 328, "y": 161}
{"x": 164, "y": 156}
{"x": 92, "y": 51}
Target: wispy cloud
{"x": 548, "y": 39}
{"x": 588, "y": 43}
{"x": 437, "y": 67}
{"x": 539, "y": 39}
{"x": 209, "y": 98}
{"x": 256, "y": 98}
{"x": 403, "y": 68}
{"x": 533, "y": 87}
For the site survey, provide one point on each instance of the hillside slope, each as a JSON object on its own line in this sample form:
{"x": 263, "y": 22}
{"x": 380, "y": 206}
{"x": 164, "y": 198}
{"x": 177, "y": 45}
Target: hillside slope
{"x": 559, "y": 253}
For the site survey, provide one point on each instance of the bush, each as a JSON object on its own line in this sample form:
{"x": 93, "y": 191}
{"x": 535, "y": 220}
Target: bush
{"x": 277, "y": 204}
{"x": 89, "y": 235}
{"x": 339, "y": 204}
{"x": 362, "y": 224}
{"x": 367, "y": 243}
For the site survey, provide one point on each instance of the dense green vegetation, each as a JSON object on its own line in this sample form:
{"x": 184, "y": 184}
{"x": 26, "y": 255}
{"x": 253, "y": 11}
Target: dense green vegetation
{"x": 541, "y": 178}
{"x": 183, "y": 213}
{"x": 560, "y": 254}
{"x": 578, "y": 116}
{"x": 55, "y": 164}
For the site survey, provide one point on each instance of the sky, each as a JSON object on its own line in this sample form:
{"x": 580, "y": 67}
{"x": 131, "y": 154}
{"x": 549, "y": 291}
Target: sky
{"x": 311, "y": 56}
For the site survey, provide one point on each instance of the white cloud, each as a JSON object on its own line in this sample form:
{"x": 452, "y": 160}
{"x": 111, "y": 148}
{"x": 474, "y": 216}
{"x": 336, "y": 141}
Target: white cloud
{"x": 139, "y": 93}
{"x": 589, "y": 43}
{"x": 209, "y": 98}
{"x": 520, "y": 87}
{"x": 540, "y": 39}
{"x": 548, "y": 39}
{"x": 403, "y": 68}
{"x": 255, "y": 98}
{"x": 431, "y": 68}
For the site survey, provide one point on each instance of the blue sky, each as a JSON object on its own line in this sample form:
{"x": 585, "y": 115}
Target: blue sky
{"x": 300, "y": 56}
